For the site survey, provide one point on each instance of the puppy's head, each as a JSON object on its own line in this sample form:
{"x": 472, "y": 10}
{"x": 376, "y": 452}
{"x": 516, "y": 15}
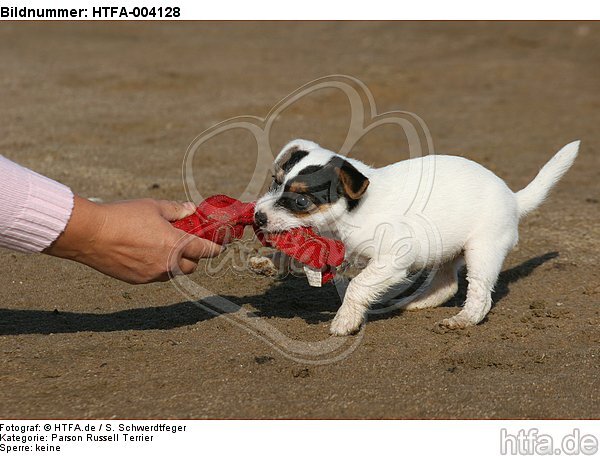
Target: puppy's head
{"x": 311, "y": 186}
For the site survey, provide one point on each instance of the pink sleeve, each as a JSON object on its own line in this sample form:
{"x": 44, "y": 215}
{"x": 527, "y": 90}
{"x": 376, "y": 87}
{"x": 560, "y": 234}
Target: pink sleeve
{"x": 34, "y": 209}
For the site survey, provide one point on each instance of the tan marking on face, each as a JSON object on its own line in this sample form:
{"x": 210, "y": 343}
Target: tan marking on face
{"x": 298, "y": 187}
{"x": 317, "y": 208}
{"x": 279, "y": 176}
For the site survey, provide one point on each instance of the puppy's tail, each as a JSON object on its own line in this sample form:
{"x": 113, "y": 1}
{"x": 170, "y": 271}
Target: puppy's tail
{"x": 535, "y": 193}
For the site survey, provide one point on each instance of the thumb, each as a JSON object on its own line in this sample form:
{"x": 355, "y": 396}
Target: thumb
{"x": 173, "y": 210}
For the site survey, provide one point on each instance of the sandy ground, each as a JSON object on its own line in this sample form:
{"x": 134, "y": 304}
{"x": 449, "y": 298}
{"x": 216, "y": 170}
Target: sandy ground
{"x": 110, "y": 109}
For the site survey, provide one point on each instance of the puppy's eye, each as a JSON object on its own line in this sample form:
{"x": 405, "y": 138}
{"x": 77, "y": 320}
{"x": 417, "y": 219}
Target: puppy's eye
{"x": 302, "y": 202}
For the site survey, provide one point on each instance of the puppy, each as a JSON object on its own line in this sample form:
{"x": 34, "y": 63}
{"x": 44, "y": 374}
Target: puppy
{"x": 436, "y": 212}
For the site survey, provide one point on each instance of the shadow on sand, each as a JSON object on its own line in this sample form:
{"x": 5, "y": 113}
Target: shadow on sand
{"x": 285, "y": 299}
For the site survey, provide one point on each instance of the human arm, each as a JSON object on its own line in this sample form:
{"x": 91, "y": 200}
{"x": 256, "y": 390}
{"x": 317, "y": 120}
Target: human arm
{"x": 132, "y": 240}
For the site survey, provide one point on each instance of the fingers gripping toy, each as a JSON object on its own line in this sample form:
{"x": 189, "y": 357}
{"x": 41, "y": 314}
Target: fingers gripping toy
{"x": 222, "y": 219}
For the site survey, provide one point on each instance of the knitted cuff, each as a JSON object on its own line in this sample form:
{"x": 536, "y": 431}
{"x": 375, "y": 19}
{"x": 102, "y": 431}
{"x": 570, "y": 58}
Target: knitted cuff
{"x": 35, "y": 209}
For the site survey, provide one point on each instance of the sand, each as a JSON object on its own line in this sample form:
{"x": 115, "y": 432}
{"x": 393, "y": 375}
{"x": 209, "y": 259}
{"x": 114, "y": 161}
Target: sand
{"x": 109, "y": 109}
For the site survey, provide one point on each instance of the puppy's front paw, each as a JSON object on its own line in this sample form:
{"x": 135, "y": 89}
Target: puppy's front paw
{"x": 345, "y": 323}
{"x": 456, "y": 322}
{"x": 263, "y": 265}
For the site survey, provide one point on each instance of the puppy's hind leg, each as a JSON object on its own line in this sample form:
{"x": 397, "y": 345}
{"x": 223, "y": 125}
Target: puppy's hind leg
{"x": 484, "y": 259}
{"x": 362, "y": 292}
{"x": 443, "y": 286}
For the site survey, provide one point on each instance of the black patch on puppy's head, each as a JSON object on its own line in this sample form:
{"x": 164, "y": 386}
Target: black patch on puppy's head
{"x": 293, "y": 159}
{"x": 288, "y": 160}
{"x": 325, "y": 184}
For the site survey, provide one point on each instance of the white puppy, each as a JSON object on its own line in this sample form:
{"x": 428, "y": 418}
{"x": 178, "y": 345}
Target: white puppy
{"x": 436, "y": 212}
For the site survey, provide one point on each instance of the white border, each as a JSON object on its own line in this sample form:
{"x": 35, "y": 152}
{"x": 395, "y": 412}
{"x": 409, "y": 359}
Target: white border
{"x": 349, "y": 10}
{"x": 310, "y": 438}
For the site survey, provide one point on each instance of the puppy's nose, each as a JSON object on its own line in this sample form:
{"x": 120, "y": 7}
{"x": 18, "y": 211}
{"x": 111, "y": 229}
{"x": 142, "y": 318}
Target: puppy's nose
{"x": 260, "y": 218}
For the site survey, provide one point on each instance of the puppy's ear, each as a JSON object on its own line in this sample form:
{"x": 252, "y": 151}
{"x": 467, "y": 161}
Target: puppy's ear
{"x": 353, "y": 183}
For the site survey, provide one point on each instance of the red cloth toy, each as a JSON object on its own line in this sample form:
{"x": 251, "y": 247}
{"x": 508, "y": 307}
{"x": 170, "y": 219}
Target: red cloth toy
{"x": 222, "y": 219}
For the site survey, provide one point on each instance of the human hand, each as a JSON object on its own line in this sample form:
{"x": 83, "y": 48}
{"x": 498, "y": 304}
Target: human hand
{"x": 132, "y": 240}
